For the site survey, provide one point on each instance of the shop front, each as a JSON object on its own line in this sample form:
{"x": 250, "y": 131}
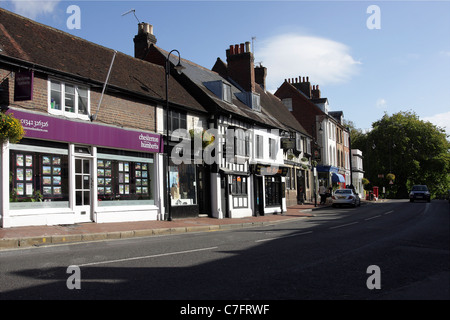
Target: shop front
{"x": 67, "y": 171}
{"x": 269, "y": 188}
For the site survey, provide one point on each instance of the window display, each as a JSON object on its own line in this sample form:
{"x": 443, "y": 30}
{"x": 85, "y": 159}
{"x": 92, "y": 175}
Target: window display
{"x": 125, "y": 178}
{"x": 183, "y": 186}
{"x": 239, "y": 191}
{"x": 273, "y": 190}
{"x": 38, "y": 177}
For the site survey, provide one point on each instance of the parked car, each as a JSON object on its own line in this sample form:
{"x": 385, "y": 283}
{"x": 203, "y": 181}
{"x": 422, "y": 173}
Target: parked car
{"x": 346, "y": 197}
{"x": 419, "y": 192}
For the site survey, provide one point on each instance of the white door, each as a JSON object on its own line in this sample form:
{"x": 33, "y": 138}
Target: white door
{"x": 83, "y": 184}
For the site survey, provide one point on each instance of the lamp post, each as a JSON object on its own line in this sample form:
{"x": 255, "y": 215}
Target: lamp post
{"x": 179, "y": 68}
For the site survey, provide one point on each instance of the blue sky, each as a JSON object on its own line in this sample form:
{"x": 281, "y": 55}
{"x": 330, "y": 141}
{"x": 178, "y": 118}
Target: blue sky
{"x": 404, "y": 65}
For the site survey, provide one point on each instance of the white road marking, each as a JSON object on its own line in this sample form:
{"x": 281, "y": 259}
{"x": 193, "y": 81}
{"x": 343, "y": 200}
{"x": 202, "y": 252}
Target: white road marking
{"x": 344, "y": 225}
{"x": 146, "y": 257}
{"x": 290, "y": 236}
{"x": 374, "y": 217}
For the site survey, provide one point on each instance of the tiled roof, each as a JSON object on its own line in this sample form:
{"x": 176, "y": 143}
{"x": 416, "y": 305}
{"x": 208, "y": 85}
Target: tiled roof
{"x": 277, "y": 109}
{"x": 199, "y": 75}
{"x": 45, "y": 47}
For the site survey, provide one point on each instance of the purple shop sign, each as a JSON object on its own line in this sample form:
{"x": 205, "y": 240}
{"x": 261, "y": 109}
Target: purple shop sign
{"x": 56, "y": 129}
{"x": 23, "y": 85}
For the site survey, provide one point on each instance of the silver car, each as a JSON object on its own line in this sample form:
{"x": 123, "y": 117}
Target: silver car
{"x": 346, "y": 197}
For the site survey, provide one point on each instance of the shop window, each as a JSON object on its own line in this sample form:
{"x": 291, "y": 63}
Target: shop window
{"x": 68, "y": 99}
{"x": 38, "y": 179}
{"x": 239, "y": 191}
{"x": 124, "y": 179}
{"x": 273, "y": 190}
{"x": 183, "y": 184}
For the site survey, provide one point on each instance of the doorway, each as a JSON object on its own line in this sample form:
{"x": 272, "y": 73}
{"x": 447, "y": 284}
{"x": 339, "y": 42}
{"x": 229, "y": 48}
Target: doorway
{"x": 83, "y": 183}
{"x": 258, "y": 196}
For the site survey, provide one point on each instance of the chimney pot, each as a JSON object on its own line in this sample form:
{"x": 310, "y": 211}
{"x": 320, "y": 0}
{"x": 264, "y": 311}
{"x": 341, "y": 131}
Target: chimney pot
{"x": 242, "y": 49}
{"x": 144, "y": 27}
{"x": 236, "y": 49}
{"x": 307, "y": 79}
{"x": 247, "y": 46}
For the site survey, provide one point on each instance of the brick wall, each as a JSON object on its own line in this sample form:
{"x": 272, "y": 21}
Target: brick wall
{"x": 116, "y": 109}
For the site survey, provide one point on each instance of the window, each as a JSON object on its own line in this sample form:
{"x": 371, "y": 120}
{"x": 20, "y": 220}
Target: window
{"x": 256, "y": 102}
{"x": 272, "y": 149}
{"x": 226, "y": 92}
{"x": 273, "y": 190}
{"x": 68, "y": 99}
{"x": 124, "y": 178}
{"x": 183, "y": 190}
{"x": 239, "y": 185}
{"x": 177, "y": 120}
{"x": 239, "y": 191}
{"x": 259, "y": 146}
{"x": 39, "y": 177}
{"x": 241, "y": 143}
{"x": 290, "y": 179}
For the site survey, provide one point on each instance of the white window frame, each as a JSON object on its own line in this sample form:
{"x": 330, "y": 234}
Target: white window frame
{"x": 63, "y": 111}
{"x": 226, "y": 92}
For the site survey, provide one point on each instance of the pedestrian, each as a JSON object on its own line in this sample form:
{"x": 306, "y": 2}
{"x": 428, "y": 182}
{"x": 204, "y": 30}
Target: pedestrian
{"x": 323, "y": 194}
{"x": 301, "y": 195}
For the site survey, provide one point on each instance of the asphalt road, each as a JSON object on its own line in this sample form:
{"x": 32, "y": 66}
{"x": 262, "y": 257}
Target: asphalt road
{"x": 323, "y": 257}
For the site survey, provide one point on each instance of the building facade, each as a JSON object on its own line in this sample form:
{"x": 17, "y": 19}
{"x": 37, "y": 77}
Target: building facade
{"x": 91, "y": 151}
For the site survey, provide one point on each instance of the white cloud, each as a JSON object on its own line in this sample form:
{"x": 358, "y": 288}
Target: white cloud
{"x": 445, "y": 53}
{"x": 441, "y": 120}
{"x": 381, "y": 103}
{"x": 291, "y": 55}
{"x": 32, "y": 9}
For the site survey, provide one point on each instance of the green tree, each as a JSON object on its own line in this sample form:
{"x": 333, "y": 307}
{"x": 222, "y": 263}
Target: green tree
{"x": 414, "y": 151}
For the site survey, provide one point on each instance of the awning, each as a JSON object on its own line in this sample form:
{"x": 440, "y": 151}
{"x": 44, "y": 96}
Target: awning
{"x": 336, "y": 177}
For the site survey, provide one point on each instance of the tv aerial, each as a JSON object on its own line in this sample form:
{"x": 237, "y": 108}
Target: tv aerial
{"x": 130, "y": 11}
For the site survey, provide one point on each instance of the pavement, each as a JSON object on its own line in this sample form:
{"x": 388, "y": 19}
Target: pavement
{"x": 33, "y": 236}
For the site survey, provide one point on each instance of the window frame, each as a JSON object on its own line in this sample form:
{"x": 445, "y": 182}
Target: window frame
{"x": 63, "y": 98}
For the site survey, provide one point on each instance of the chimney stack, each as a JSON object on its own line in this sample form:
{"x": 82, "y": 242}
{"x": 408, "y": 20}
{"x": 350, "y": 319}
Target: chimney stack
{"x": 143, "y": 40}
{"x": 315, "y": 92}
{"x": 240, "y": 64}
{"x": 302, "y": 84}
{"x": 260, "y": 76}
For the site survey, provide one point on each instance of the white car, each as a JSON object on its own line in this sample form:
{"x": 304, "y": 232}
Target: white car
{"x": 346, "y": 197}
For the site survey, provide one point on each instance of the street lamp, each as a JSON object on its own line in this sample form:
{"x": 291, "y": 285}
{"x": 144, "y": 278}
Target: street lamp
{"x": 179, "y": 68}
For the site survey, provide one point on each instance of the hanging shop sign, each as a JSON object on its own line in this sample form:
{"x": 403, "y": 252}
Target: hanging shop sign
{"x": 23, "y": 85}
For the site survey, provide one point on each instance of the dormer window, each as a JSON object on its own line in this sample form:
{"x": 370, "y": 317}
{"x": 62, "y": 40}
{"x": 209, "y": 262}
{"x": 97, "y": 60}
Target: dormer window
{"x": 251, "y": 99}
{"x": 256, "y": 102}
{"x": 226, "y": 89}
{"x": 220, "y": 88}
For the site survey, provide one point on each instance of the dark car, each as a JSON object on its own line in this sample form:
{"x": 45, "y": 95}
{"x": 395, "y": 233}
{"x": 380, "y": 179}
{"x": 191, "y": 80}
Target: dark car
{"x": 419, "y": 192}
